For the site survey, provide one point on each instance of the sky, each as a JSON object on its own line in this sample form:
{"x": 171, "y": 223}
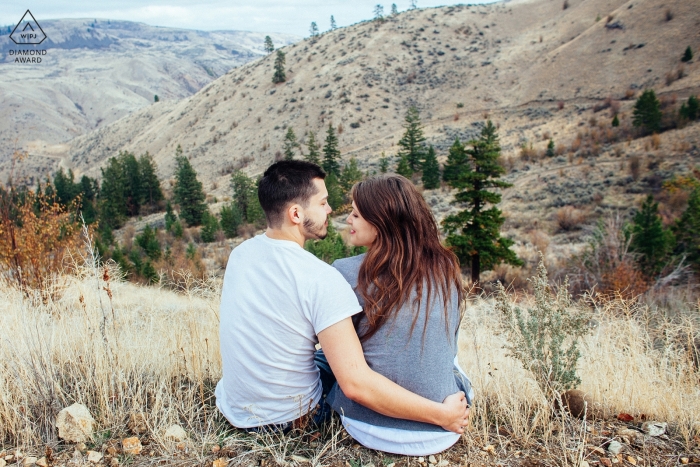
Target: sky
{"x": 290, "y": 17}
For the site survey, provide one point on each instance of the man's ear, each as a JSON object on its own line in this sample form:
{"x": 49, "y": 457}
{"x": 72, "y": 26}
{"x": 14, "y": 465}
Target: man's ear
{"x": 294, "y": 214}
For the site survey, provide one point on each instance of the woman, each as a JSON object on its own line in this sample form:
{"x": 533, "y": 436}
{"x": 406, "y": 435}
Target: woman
{"x": 410, "y": 288}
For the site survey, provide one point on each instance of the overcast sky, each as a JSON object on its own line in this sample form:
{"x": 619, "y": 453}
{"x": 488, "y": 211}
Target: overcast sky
{"x": 292, "y": 17}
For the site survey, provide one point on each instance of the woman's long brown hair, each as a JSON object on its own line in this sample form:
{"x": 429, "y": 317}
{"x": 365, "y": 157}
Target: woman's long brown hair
{"x": 406, "y": 256}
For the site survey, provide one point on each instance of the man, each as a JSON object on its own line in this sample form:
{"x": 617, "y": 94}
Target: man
{"x": 279, "y": 301}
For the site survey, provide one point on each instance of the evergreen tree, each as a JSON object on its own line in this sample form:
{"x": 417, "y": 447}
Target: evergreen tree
{"x": 150, "y": 185}
{"x": 650, "y": 240}
{"x": 149, "y": 242}
{"x": 280, "y": 76}
{"x": 149, "y": 273}
{"x": 383, "y": 164}
{"x": 290, "y": 143}
{"x": 351, "y": 174}
{"x": 313, "y": 31}
{"x": 155, "y": 98}
{"x": 457, "y": 161}
{"x": 169, "y": 217}
{"x": 687, "y": 55}
{"x": 255, "y": 214}
{"x": 431, "y": 170}
{"x": 243, "y": 190}
{"x": 112, "y": 200}
{"x": 231, "y": 219}
{"x": 89, "y": 188}
{"x": 414, "y": 4}
{"x": 65, "y": 188}
{"x": 269, "y": 46}
{"x": 336, "y": 197}
{"x": 615, "y": 121}
{"x": 690, "y": 109}
{"x": 402, "y": 168}
{"x": 132, "y": 182}
{"x": 647, "y": 112}
{"x": 411, "y": 143}
{"x": 394, "y": 9}
{"x": 379, "y": 13}
{"x": 550, "y": 148}
{"x": 313, "y": 156}
{"x": 188, "y": 192}
{"x": 331, "y": 153}
{"x": 473, "y": 234}
{"x": 178, "y": 230}
{"x": 333, "y": 25}
{"x": 687, "y": 230}
{"x": 210, "y": 225}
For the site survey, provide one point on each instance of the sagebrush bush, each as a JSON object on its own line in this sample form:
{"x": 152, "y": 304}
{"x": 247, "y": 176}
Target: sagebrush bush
{"x": 545, "y": 338}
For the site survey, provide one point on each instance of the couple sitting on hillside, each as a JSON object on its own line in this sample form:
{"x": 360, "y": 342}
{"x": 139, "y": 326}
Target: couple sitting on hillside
{"x": 387, "y": 320}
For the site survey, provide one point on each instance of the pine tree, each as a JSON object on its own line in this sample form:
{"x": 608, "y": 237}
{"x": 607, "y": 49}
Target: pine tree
{"x": 150, "y": 185}
{"x": 650, "y": 240}
{"x": 210, "y": 225}
{"x": 473, "y": 234}
{"x": 351, "y": 174}
{"x": 112, "y": 199}
{"x": 313, "y": 156}
{"x": 550, "y": 148}
{"x": 65, "y": 188}
{"x": 412, "y": 141}
{"x": 132, "y": 182}
{"x": 269, "y": 46}
{"x": 243, "y": 188}
{"x": 457, "y": 161}
{"x": 188, "y": 192}
{"x": 647, "y": 112}
{"x": 431, "y": 170}
{"x": 170, "y": 217}
{"x": 687, "y": 228}
{"x": 690, "y": 109}
{"x": 149, "y": 242}
{"x": 687, "y": 55}
{"x": 331, "y": 153}
{"x": 615, "y": 121}
{"x": 378, "y": 13}
{"x": 290, "y": 143}
{"x": 335, "y": 191}
{"x": 178, "y": 230}
{"x": 402, "y": 168}
{"x": 333, "y": 25}
{"x": 394, "y": 9}
{"x": 149, "y": 273}
{"x": 255, "y": 214}
{"x": 280, "y": 76}
{"x": 155, "y": 98}
{"x": 383, "y": 164}
{"x": 313, "y": 31}
{"x": 231, "y": 219}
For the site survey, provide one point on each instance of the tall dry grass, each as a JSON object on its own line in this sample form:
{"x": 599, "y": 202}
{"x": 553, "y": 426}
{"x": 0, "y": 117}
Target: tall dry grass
{"x": 124, "y": 349}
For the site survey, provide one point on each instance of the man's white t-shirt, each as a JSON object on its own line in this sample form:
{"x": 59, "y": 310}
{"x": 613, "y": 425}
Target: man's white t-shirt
{"x": 276, "y": 298}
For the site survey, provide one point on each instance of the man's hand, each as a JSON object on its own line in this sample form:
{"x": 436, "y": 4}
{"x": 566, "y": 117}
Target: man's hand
{"x": 456, "y": 412}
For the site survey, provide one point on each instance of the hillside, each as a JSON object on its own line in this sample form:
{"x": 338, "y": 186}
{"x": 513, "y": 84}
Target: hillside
{"x": 98, "y": 71}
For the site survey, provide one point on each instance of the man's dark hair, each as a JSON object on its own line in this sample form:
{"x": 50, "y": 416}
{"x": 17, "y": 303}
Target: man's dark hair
{"x": 287, "y": 182}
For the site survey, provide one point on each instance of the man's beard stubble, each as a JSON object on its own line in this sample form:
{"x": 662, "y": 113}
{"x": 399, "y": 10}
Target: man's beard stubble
{"x": 313, "y": 231}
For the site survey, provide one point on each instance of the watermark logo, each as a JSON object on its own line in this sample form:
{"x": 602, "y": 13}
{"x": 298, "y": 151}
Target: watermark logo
{"x": 28, "y": 31}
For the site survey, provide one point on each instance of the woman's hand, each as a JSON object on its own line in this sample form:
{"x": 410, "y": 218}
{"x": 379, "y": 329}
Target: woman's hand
{"x": 456, "y": 413}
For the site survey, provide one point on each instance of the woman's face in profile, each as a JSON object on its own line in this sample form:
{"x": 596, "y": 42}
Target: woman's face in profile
{"x": 362, "y": 233}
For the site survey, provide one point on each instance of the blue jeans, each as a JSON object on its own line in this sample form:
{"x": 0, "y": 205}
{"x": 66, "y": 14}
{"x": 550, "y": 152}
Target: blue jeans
{"x": 318, "y": 415}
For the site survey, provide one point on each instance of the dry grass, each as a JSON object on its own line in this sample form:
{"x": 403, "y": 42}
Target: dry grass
{"x": 124, "y": 349}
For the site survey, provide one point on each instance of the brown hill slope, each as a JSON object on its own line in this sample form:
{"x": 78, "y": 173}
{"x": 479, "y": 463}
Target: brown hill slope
{"x": 535, "y": 67}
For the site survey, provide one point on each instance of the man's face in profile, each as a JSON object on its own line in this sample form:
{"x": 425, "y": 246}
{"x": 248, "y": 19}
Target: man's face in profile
{"x": 315, "y": 224}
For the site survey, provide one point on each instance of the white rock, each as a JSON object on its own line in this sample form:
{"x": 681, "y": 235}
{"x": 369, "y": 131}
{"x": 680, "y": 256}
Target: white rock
{"x": 42, "y": 462}
{"x": 94, "y": 457}
{"x": 29, "y": 461}
{"x": 615, "y": 447}
{"x": 654, "y": 428}
{"x": 75, "y": 424}
{"x": 3, "y": 463}
{"x": 176, "y": 433}
{"x": 442, "y": 463}
{"x": 432, "y": 459}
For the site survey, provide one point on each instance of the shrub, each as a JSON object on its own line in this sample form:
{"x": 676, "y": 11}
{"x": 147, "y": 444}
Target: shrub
{"x": 545, "y": 338}
{"x": 569, "y": 218}
{"x": 687, "y": 55}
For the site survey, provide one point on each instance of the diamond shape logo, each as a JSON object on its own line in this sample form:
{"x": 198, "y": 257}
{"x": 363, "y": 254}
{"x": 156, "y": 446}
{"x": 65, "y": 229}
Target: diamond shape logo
{"x": 28, "y": 31}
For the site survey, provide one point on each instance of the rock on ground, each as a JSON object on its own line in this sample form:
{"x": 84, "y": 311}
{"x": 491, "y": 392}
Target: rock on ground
{"x": 75, "y": 424}
{"x": 176, "y": 433}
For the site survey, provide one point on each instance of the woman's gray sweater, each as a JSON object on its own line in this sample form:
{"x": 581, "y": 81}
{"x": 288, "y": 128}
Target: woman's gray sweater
{"x": 421, "y": 363}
